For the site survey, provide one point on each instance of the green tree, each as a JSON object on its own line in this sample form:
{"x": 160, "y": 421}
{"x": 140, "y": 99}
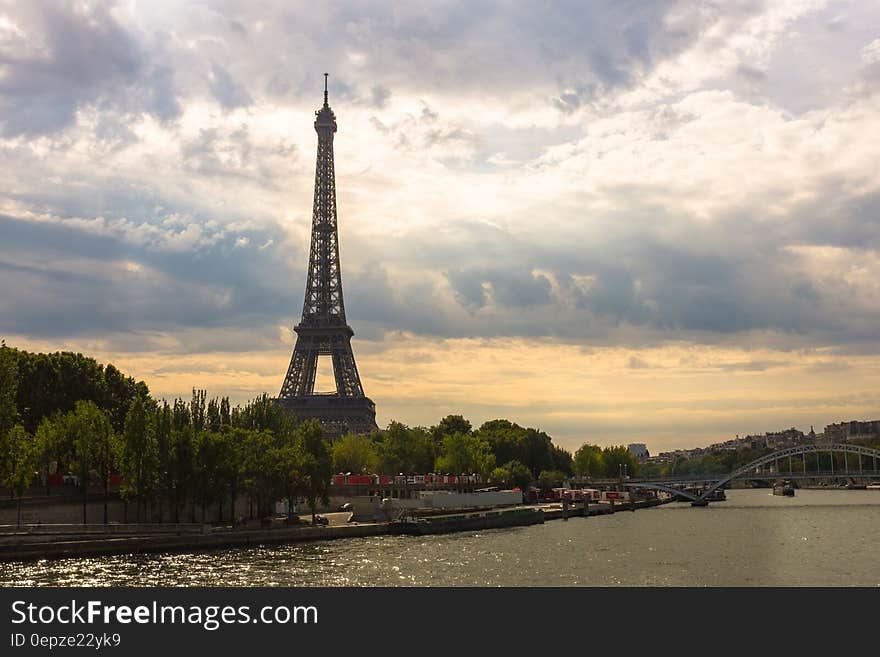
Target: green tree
{"x": 465, "y": 454}
{"x": 531, "y": 447}
{"x": 182, "y": 470}
{"x": 316, "y": 466}
{"x": 93, "y": 447}
{"x": 209, "y": 471}
{"x": 562, "y": 459}
{"x": 236, "y": 463}
{"x": 48, "y": 442}
{"x": 18, "y": 463}
{"x": 449, "y": 425}
{"x": 290, "y": 463}
{"x": 615, "y": 458}
{"x": 264, "y": 413}
{"x": 8, "y": 389}
{"x": 139, "y": 454}
{"x": 513, "y": 474}
{"x": 404, "y": 449}
{"x": 162, "y": 421}
{"x": 549, "y": 479}
{"x": 355, "y": 453}
{"x": 259, "y": 471}
{"x": 119, "y": 392}
{"x": 588, "y": 461}
{"x": 228, "y": 468}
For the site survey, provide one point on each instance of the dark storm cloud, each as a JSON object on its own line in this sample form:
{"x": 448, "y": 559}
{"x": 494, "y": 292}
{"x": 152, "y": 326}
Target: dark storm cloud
{"x": 737, "y": 276}
{"x": 76, "y": 282}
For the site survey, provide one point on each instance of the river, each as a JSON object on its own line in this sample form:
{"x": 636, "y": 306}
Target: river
{"x": 817, "y": 538}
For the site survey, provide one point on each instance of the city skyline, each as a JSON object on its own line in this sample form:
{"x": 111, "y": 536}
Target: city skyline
{"x": 631, "y": 222}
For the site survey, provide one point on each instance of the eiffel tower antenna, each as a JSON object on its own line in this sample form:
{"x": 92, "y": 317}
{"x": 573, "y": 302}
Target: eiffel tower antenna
{"x": 323, "y": 331}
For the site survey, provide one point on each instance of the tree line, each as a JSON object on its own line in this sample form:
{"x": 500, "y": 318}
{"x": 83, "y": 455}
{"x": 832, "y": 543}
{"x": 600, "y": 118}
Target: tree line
{"x": 67, "y": 413}
{"x": 500, "y": 450}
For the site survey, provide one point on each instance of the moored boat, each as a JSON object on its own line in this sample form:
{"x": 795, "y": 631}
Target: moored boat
{"x": 783, "y": 488}
{"x": 491, "y": 519}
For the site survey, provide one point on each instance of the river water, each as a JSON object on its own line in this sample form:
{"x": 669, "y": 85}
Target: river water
{"x": 817, "y": 538}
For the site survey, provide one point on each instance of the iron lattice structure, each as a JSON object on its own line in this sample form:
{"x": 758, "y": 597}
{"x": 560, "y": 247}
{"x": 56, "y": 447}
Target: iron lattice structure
{"x": 323, "y": 330}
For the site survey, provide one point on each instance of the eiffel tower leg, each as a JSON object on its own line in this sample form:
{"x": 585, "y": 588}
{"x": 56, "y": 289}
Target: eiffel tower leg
{"x": 300, "y": 379}
{"x": 348, "y": 383}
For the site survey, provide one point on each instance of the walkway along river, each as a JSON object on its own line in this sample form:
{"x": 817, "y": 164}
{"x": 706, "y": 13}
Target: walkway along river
{"x": 59, "y": 541}
{"x": 817, "y": 538}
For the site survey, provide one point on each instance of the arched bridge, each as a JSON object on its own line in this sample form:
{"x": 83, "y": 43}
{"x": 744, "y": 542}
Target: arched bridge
{"x": 756, "y": 470}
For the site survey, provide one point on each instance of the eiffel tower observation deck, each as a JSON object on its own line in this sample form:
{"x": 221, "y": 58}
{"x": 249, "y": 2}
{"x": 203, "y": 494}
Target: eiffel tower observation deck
{"x": 323, "y": 330}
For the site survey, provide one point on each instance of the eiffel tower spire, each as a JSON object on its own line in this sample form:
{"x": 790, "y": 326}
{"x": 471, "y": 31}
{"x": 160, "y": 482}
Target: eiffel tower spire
{"x": 323, "y": 330}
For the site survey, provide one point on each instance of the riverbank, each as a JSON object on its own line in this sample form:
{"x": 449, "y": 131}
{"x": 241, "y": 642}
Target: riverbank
{"x": 36, "y": 542}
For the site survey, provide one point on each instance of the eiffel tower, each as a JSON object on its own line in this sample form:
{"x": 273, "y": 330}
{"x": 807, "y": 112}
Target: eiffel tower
{"x": 323, "y": 330}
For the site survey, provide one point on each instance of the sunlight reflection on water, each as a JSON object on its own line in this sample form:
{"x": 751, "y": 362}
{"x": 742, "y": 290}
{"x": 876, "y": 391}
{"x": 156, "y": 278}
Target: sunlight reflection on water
{"x": 752, "y": 539}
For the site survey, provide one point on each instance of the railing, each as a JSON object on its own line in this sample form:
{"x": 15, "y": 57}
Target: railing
{"x": 755, "y": 469}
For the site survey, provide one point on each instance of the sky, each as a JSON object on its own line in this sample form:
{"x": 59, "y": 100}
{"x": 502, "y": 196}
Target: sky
{"x": 617, "y": 221}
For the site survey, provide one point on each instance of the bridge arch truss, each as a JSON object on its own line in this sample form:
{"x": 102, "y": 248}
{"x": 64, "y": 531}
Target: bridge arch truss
{"x": 755, "y": 466}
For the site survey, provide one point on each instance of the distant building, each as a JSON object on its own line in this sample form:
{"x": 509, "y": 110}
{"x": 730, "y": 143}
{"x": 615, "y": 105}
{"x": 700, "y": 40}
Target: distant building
{"x": 639, "y": 451}
{"x": 845, "y": 431}
{"x": 779, "y": 439}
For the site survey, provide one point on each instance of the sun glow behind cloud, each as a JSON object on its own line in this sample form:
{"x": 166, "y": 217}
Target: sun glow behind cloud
{"x": 669, "y": 235}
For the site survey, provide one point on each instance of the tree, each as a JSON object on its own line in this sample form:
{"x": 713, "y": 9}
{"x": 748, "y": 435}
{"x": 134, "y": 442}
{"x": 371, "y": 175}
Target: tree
{"x": 355, "y": 453}
{"x": 549, "y": 479}
{"x": 182, "y": 471}
{"x": 588, "y": 461}
{"x": 236, "y": 465}
{"x": 615, "y": 458}
{"x": 8, "y": 389}
{"x": 402, "y": 449}
{"x": 264, "y": 413}
{"x": 562, "y": 459}
{"x": 228, "y": 467}
{"x": 93, "y": 447}
{"x": 316, "y": 466}
{"x": 513, "y": 474}
{"x": 504, "y": 438}
{"x": 531, "y": 447}
{"x": 449, "y": 425}
{"x": 18, "y": 464}
{"x": 105, "y": 454}
{"x": 162, "y": 421}
{"x": 119, "y": 392}
{"x": 465, "y": 453}
{"x": 536, "y": 451}
{"x": 51, "y": 383}
{"x": 209, "y": 471}
{"x": 139, "y": 453}
{"x": 290, "y": 463}
{"x": 48, "y": 441}
{"x": 259, "y": 472}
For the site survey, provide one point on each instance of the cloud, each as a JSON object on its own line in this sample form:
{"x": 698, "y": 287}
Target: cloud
{"x": 608, "y": 175}
{"x": 871, "y": 52}
{"x": 69, "y": 278}
{"x": 58, "y": 58}
{"x": 228, "y": 92}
